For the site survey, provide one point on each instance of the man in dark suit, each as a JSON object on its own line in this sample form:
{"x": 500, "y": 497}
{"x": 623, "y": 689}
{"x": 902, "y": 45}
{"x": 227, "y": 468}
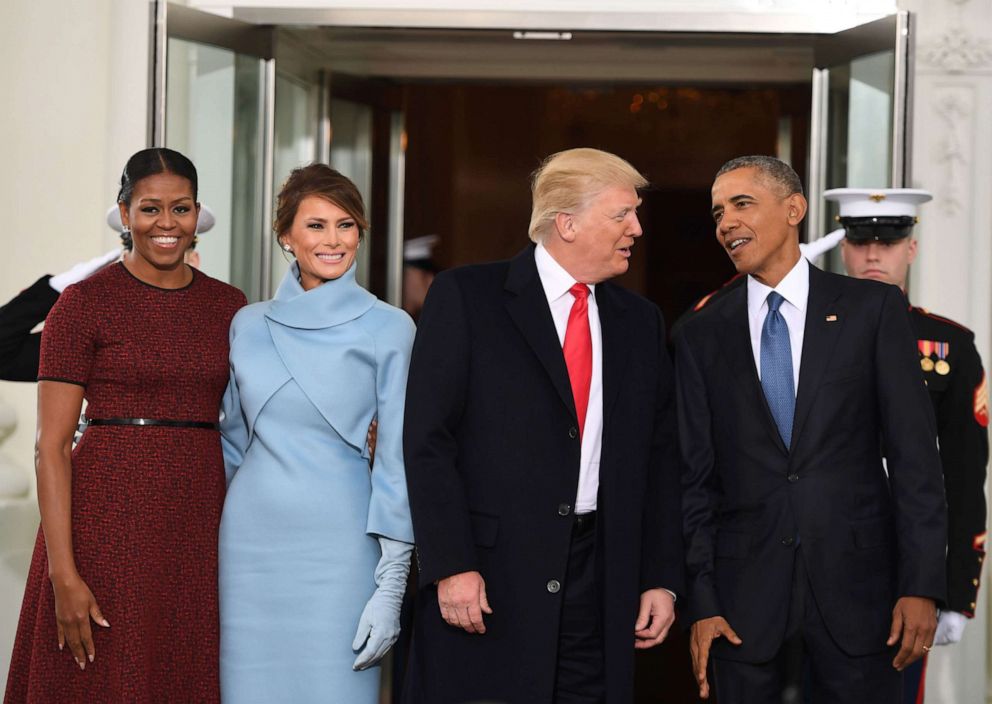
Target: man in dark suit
{"x": 541, "y": 459}
{"x": 791, "y": 390}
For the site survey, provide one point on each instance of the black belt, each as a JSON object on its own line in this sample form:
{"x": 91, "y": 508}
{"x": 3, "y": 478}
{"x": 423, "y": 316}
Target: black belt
{"x": 161, "y": 422}
{"x": 584, "y": 523}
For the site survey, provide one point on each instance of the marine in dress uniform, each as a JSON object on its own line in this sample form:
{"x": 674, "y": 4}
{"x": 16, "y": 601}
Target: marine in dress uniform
{"x": 879, "y": 245}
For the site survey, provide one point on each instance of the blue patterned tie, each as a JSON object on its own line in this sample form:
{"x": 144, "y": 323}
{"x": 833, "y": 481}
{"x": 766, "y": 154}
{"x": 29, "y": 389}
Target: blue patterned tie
{"x": 776, "y": 368}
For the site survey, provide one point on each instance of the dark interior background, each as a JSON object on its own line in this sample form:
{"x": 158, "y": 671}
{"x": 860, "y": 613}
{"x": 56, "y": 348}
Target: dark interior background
{"x": 471, "y": 149}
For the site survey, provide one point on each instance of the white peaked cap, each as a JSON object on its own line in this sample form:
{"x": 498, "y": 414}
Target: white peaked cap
{"x": 204, "y": 223}
{"x": 878, "y": 202}
{"x": 420, "y": 248}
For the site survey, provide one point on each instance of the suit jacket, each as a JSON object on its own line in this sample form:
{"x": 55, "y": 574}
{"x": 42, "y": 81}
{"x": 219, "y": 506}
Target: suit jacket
{"x": 868, "y": 536}
{"x": 492, "y": 459}
{"x": 19, "y": 348}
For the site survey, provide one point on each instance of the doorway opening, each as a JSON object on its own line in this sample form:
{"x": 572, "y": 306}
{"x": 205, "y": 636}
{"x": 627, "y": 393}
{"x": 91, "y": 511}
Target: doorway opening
{"x": 471, "y": 148}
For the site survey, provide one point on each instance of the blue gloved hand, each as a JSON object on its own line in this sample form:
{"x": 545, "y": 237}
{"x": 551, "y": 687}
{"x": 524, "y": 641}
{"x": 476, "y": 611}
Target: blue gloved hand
{"x": 379, "y": 626}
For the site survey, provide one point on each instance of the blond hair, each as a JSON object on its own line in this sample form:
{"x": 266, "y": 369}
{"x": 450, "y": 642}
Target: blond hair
{"x": 568, "y": 180}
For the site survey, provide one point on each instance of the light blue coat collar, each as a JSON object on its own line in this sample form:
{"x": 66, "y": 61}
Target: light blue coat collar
{"x": 332, "y": 303}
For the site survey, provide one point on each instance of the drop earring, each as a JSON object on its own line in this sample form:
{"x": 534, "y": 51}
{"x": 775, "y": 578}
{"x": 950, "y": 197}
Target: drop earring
{"x": 287, "y": 248}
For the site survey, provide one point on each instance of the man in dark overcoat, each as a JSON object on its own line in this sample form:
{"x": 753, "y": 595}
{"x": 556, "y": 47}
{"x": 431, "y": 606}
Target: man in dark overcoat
{"x": 541, "y": 459}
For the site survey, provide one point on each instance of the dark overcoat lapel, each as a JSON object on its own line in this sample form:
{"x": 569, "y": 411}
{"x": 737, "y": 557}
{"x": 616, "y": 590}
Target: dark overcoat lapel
{"x": 616, "y": 349}
{"x": 527, "y": 306}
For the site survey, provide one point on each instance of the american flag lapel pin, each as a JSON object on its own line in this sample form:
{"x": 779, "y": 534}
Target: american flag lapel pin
{"x": 831, "y": 318}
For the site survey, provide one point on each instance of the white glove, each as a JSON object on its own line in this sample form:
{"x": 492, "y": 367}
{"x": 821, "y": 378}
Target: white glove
{"x": 80, "y": 271}
{"x": 379, "y": 626}
{"x": 817, "y": 248}
{"x": 950, "y": 627}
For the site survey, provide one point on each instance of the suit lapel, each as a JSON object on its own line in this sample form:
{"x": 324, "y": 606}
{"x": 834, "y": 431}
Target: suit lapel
{"x": 736, "y": 338}
{"x": 527, "y": 306}
{"x": 819, "y": 339}
{"x": 616, "y": 348}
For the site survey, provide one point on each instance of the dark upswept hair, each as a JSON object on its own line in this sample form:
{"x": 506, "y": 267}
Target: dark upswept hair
{"x": 322, "y": 181}
{"x": 780, "y": 174}
{"x": 157, "y": 160}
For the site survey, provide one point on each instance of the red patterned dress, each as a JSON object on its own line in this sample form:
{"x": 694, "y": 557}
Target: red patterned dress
{"x": 146, "y": 501}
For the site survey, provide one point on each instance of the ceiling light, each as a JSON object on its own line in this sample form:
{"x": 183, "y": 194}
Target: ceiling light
{"x": 544, "y": 36}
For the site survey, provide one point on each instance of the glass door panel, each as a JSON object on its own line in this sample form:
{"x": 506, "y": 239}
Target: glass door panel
{"x": 297, "y": 114}
{"x": 351, "y": 154}
{"x": 859, "y": 126}
{"x": 213, "y": 89}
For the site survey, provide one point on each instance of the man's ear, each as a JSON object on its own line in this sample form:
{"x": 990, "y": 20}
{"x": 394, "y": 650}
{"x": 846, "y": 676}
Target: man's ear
{"x": 797, "y": 208}
{"x": 913, "y": 249}
{"x": 565, "y": 226}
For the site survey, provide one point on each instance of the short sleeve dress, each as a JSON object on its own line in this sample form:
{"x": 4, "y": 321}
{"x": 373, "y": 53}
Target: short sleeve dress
{"x": 146, "y": 501}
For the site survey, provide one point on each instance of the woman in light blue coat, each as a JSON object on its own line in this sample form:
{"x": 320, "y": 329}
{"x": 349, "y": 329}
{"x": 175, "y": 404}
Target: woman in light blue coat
{"x": 314, "y": 545}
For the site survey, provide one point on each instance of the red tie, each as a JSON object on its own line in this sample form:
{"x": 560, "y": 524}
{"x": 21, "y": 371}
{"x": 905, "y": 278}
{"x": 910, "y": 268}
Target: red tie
{"x": 578, "y": 350}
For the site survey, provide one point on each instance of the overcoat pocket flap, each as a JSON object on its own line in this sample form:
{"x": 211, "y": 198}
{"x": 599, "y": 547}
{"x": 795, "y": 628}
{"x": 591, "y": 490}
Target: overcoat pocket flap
{"x": 485, "y": 528}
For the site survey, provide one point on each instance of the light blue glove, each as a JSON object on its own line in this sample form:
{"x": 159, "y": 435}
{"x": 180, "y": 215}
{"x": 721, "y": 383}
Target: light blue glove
{"x": 379, "y": 626}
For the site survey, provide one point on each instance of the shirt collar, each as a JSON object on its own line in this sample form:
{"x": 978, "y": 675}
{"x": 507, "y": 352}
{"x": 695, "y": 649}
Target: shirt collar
{"x": 555, "y": 280}
{"x": 794, "y": 288}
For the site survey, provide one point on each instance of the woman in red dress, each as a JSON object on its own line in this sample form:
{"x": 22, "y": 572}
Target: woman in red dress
{"x": 121, "y": 598}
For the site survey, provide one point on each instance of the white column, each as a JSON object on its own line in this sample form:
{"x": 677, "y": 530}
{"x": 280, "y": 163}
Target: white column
{"x": 952, "y": 145}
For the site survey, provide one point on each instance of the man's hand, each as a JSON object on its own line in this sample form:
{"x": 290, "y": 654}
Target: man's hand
{"x": 914, "y": 618}
{"x": 462, "y": 598}
{"x": 704, "y": 632}
{"x": 655, "y": 617}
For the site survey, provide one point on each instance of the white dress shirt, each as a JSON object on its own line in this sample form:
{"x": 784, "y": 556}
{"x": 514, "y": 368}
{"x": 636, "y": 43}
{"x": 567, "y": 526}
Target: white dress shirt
{"x": 557, "y": 282}
{"x": 794, "y": 288}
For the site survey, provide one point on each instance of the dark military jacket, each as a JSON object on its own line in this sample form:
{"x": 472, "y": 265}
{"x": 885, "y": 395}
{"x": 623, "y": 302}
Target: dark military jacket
{"x": 19, "y": 347}
{"x": 957, "y": 385}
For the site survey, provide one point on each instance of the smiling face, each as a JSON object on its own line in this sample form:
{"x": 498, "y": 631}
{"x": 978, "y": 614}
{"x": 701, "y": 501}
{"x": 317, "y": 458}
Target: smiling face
{"x": 162, "y": 218}
{"x": 594, "y": 244}
{"x": 757, "y": 224}
{"x": 884, "y": 260}
{"x": 323, "y": 238}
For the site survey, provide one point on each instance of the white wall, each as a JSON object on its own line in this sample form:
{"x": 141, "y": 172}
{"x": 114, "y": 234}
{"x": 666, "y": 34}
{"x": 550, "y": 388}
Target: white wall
{"x": 952, "y": 144}
{"x": 74, "y": 78}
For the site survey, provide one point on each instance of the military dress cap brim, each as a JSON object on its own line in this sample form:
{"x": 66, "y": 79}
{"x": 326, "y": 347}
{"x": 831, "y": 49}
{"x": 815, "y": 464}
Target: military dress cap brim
{"x": 878, "y": 213}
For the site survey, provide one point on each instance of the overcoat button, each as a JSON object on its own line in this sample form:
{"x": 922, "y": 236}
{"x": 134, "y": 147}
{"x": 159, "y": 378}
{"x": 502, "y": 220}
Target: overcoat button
{"x": 554, "y": 586}
{"x": 564, "y": 509}
{"x": 573, "y": 432}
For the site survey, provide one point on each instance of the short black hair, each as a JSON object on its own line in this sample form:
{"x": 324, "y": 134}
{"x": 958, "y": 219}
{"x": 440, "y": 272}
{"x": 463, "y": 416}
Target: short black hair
{"x": 148, "y": 162}
{"x": 775, "y": 170}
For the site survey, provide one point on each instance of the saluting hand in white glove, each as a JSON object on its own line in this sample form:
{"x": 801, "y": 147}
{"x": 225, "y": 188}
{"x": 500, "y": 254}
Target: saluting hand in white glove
{"x": 80, "y": 271}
